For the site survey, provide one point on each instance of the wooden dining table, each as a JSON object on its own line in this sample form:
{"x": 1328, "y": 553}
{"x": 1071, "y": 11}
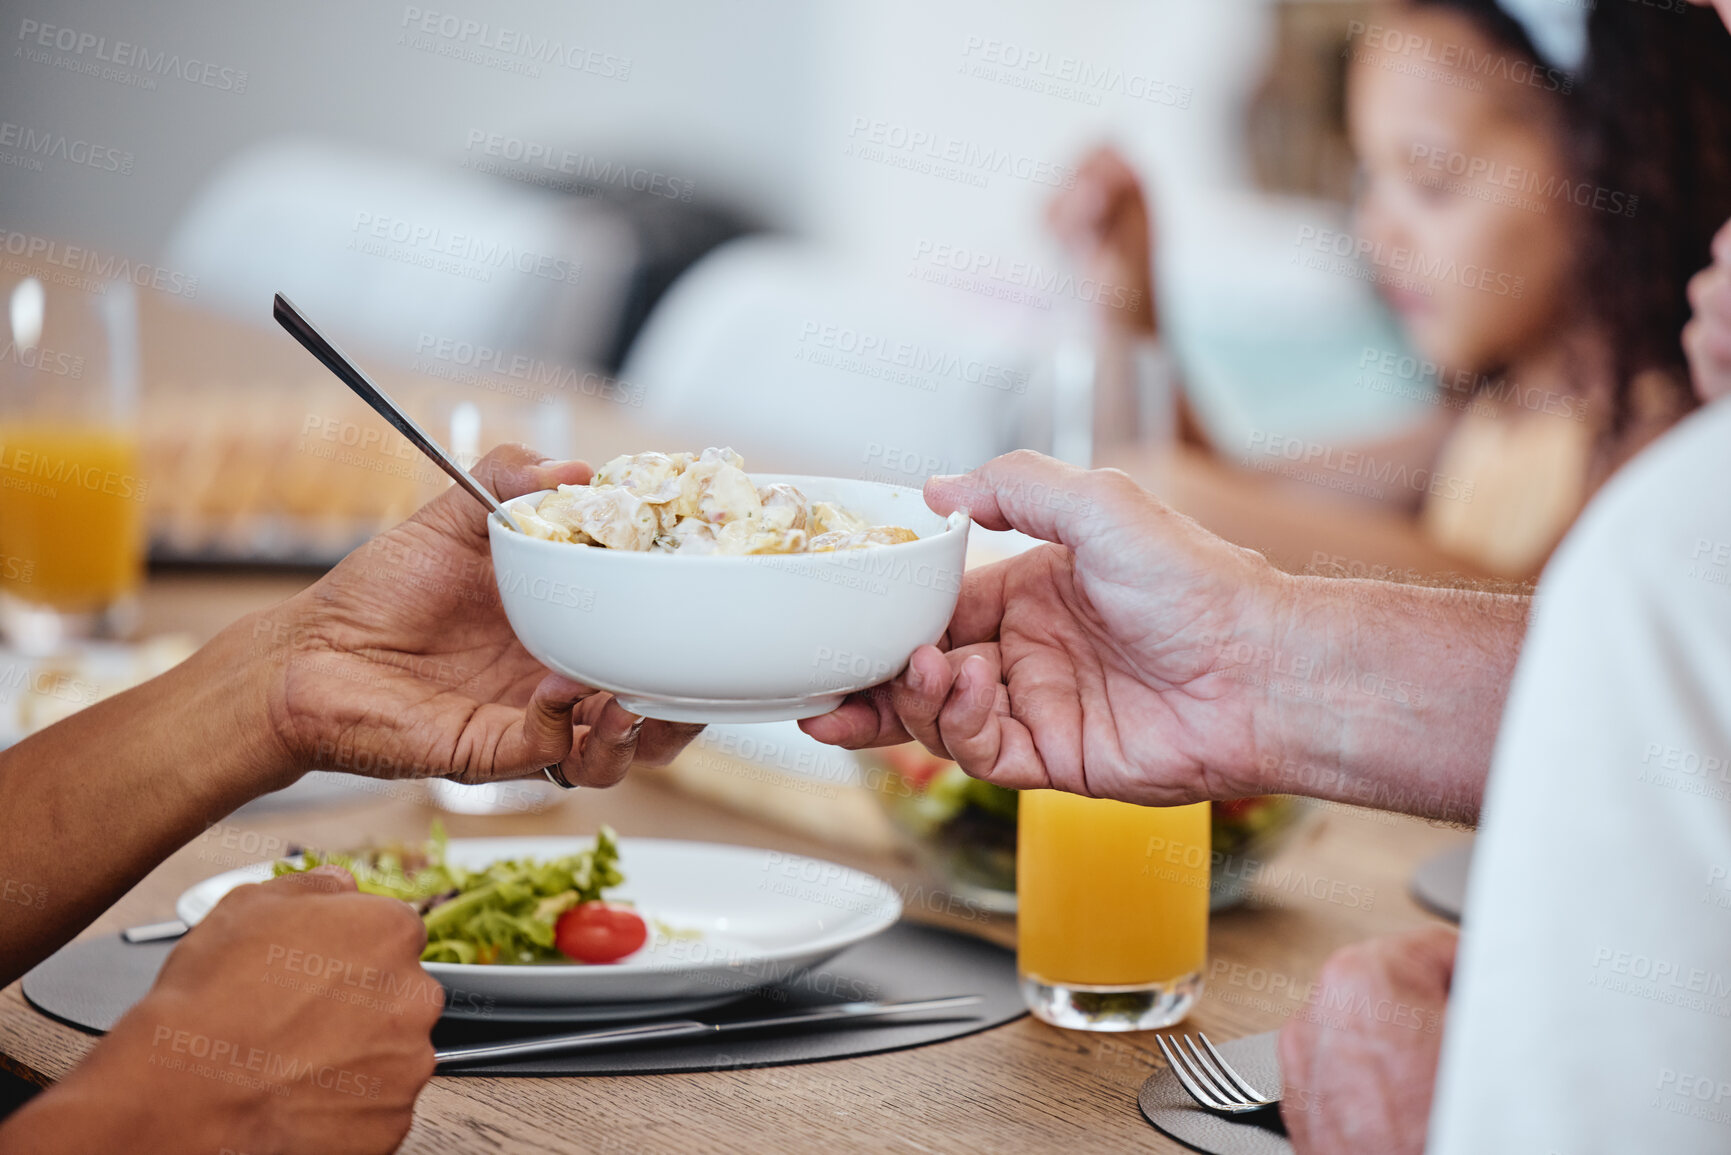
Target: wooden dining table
{"x": 1022, "y": 1087}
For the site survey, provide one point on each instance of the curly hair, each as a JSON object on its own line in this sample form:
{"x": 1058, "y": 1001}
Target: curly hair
{"x": 1649, "y": 117}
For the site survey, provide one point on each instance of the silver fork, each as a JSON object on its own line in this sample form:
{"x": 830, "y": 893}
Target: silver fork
{"x": 1210, "y": 1079}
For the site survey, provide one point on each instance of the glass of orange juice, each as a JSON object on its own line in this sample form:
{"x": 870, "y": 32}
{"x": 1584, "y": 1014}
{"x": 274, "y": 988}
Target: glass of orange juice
{"x": 1112, "y": 910}
{"x": 71, "y": 498}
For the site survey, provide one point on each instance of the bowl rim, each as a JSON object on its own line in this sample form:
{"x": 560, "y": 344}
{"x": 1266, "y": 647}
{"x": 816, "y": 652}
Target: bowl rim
{"x": 956, "y": 523}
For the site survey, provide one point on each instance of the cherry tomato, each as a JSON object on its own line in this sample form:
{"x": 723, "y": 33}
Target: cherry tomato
{"x": 599, "y": 932}
{"x": 916, "y": 766}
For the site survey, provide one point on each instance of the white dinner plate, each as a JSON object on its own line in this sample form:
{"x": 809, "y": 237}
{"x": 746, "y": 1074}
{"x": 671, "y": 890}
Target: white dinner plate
{"x": 746, "y": 918}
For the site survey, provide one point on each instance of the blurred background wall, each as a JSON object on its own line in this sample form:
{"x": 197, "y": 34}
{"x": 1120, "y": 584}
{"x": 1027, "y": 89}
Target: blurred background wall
{"x": 751, "y": 100}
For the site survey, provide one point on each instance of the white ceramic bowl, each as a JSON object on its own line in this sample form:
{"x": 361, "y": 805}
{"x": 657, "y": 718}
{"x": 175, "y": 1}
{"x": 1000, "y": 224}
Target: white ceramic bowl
{"x": 738, "y": 639}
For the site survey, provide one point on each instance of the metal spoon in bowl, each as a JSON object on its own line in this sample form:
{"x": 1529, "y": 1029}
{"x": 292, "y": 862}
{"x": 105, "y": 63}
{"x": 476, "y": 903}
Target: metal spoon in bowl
{"x": 338, "y": 362}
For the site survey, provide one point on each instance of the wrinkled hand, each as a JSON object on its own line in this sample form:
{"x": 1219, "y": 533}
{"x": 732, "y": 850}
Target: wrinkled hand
{"x": 294, "y": 1019}
{"x": 1103, "y": 220}
{"x": 1707, "y": 337}
{"x": 399, "y": 663}
{"x": 1359, "y": 1067}
{"x": 1111, "y": 664}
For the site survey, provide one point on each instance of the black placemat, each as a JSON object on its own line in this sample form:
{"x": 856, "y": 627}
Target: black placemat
{"x": 91, "y": 983}
{"x": 1440, "y": 882}
{"x": 1165, "y": 1104}
{"x": 908, "y": 961}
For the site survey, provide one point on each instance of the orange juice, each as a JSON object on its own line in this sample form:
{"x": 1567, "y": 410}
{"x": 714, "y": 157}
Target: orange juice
{"x": 71, "y": 514}
{"x": 1111, "y": 899}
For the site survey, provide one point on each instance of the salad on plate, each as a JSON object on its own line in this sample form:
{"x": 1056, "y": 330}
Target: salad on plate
{"x": 510, "y": 912}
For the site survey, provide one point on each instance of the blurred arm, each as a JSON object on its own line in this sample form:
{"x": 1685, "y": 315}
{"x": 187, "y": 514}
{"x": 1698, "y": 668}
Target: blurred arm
{"x": 1294, "y": 526}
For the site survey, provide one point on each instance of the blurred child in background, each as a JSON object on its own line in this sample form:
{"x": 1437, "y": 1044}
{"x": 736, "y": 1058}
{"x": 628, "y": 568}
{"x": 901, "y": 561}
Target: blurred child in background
{"x": 1597, "y": 200}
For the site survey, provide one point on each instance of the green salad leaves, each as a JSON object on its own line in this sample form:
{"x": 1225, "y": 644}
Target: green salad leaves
{"x": 504, "y": 913}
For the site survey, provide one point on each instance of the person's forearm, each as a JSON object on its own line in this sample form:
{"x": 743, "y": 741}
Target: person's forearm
{"x": 1387, "y": 695}
{"x": 81, "y": 1114}
{"x": 1298, "y": 533}
{"x": 93, "y": 803}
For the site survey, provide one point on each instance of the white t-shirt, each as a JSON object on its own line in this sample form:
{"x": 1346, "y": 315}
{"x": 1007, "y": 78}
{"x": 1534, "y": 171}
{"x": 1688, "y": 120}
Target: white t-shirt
{"x": 1591, "y": 1010}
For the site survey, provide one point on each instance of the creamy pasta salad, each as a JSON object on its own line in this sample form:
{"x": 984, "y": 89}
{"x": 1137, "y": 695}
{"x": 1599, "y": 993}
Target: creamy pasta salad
{"x": 695, "y": 504}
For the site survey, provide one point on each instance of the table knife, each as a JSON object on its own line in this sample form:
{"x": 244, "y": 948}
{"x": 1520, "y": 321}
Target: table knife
{"x": 688, "y": 1029}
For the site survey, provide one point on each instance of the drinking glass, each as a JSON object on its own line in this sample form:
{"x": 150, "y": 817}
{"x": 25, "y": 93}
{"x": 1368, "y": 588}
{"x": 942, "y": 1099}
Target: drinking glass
{"x": 1112, "y": 910}
{"x": 71, "y": 495}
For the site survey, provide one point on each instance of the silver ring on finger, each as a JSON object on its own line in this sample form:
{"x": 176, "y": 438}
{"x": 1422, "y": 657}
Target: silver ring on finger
{"x": 556, "y": 776}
